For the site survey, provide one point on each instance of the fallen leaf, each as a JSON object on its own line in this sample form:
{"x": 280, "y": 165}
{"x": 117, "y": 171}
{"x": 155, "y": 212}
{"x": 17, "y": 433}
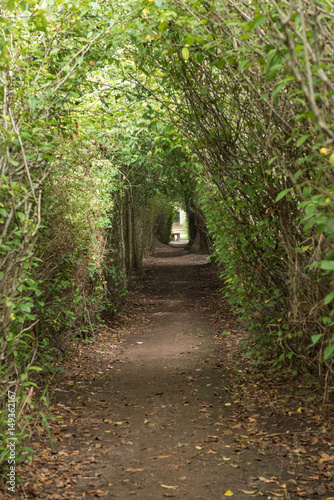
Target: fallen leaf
{"x": 228, "y": 493}
{"x": 249, "y": 492}
{"x": 265, "y": 480}
{"x": 321, "y": 490}
{"x": 301, "y": 449}
{"x": 168, "y": 487}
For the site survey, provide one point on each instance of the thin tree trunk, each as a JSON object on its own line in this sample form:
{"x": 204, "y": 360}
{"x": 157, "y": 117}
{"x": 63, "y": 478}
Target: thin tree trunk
{"x": 151, "y": 240}
{"x": 129, "y": 232}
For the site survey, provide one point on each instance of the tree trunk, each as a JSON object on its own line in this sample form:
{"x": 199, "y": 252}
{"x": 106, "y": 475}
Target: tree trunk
{"x": 129, "y": 231}
{"x": 151, "y": 240}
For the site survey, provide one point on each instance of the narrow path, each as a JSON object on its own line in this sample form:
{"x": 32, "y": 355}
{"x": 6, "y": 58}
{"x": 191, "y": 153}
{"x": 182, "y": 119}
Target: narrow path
{"x": 160, "y": 421}
{"x": 170, "y": 394}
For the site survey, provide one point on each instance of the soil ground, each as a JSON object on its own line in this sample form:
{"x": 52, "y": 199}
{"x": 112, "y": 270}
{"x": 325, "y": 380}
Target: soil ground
{"x": 162, "y": 406}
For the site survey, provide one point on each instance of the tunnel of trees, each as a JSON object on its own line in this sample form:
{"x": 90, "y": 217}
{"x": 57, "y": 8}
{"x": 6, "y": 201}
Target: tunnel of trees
{"x": 112, "y": 112}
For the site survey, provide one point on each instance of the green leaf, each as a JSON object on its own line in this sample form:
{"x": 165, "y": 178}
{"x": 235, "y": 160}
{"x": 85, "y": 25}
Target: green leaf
{"x": 328, "y": 265}
{"x": 329, "y": 298}
{"x": 328, "y": 351}
{"x": 10, "y": 5}
{"x": 25, "y": 307}
{"x": 163, "y": 25}
{"x": 282, "y": 194}
{"x": 13, "y": 162}
{"x": 185, "y": 53}
{"x": 259, "y": 19}
{"x": 272, "y": 160}
{"x": 189, "y": 39}
{"x": 315, "y": 338}
{"x": 242, "y": 64}
{"x": 302, "y": 140}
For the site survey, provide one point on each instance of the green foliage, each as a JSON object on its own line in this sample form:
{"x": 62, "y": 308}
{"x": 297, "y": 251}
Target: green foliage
{"x": 163, "y": 219}
{"x": 43, "y": 61}
{"x": 71, "y": 245}
{"x": 226, "y": 107}
{"x": 253, "y": 94}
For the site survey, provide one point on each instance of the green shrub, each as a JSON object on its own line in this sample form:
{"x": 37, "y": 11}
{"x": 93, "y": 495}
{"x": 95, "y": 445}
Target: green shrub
{"x": 163, "y": 219}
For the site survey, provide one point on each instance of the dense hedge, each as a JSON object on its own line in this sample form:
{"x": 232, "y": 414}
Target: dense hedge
{"x": 163, "y": 219}
{"x": 252, "y": 90}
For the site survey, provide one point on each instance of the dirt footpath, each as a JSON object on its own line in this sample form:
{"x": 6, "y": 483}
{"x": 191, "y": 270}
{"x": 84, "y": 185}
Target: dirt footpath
{"x": 153, "y": 415}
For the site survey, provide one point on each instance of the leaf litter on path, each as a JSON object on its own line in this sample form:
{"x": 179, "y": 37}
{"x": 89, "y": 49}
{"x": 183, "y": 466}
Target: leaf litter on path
{"x": 268, "y": 439}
